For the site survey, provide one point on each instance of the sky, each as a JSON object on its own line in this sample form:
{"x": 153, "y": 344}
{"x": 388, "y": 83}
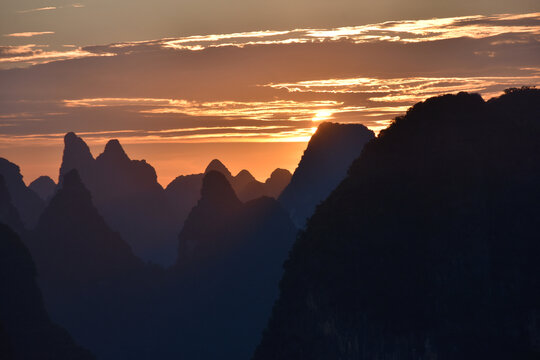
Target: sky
{"x": 180, "y": 83}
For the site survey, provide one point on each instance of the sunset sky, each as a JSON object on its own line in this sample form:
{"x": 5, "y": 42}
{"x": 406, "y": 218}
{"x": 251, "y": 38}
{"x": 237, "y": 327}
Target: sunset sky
{"x": 246, "y": 81}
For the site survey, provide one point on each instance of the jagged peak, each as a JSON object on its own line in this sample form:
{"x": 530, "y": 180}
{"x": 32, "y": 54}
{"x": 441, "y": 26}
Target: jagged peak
{"x": 217, "y": 190}
{"x": 114, "y": 150}
{"x": 72, "y": 142}
{"x": 216, "y": 165}
{"x": 76, "y": 154}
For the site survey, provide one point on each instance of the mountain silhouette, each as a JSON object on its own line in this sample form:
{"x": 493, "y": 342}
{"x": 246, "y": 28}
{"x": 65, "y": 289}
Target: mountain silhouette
{"x": 89, "y": 275}
{"x": 230, "y": 261}
{"x": 28, "y": 203}
{"x": 8, "y": 213}
{"x": 127, "y": 194}
{"x": 429, "y": 248}
{"x": 272, "y": 187}
{"x": 324, "y": 164}
{"x": 26, "y": 331}
{"x": 44, "y": 186}
{"x": 184, "y": 191}
{"x": 71, "y": 234}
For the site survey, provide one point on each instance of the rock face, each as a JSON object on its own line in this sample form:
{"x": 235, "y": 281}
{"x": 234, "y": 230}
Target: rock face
{"x": 28, "y": 203}
{"x": 230, "y": 257}
{"x": 323, "y": 166}
{"x": 127, "y": 194}
{"x": 44, "y": 186}
{"x": 26, "y": 332}
{"x": 429, "y": 248}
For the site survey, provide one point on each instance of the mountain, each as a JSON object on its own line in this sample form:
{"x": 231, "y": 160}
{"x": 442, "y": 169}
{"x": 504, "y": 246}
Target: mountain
{"x": 8, "y": 213}
{"x": 325, "y": 162}
{"x": 91, "y": 280}
{"x": 127, "y": 194}
{"x": 429, "y": 248}
{"x": 71, "y": 234}
{"x": 26, "y": 331}
{"x": 44, "y": 186}
{"x": 272, "y": 187}
{"x": 183, "y": 194}
{"x": 184, "y": 191}
{"x": 27, "y": 202}
{"x": 230, "y": 261}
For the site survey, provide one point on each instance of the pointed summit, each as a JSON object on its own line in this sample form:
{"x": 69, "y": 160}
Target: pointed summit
{"x": 72, "y": 185}
{"x": 217, "y": 165}
{"x": 114, "y": 152}
{"x": 71, "y": 234}
{"x": 76, "y": 155}
{"x": 216, "y": 190}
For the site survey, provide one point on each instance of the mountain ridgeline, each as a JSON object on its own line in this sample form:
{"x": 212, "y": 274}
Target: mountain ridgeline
{"x": 324, "y": 164}
{"x": 429, "y": 248}
{"x": 127, "y": 195}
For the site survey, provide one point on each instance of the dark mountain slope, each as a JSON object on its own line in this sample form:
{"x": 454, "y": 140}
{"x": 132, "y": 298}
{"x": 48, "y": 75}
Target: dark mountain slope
{"x": 8, "y": 213}
{"x": 92, "y": 282}
{"x": 72, "y": 244}
{"x": 26, "y": 332}
{"x": 324, "y": 164}
{"x": 28, "y": 204}
{"x": 230, "y": 261}
{"x": 44, "y": 186}
{"x": 429, "y": 248}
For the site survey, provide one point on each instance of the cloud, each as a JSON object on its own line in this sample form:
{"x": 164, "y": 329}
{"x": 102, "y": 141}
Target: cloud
{"x": 29, "y": 33}
{"x": 405, "y": 31}
{"x": 38, "y": 9}
{"x": 409, "y": 89}
{"x": 34, "y": 54}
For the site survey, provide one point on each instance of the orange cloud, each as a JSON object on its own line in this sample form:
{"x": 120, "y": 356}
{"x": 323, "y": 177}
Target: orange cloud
{"x": 30, "y": 33}
{"x": 38, "y": 9}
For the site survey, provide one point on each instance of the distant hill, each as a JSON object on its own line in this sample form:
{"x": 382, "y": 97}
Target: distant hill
{"x": 272, "y": 187}
{"x": 429, "y": 248}
{"x": 26, "y": 331}
{"x": 28, "y": 203}
{"x": 127, "y": 194}
{"x": 184, "y": 191}
{"x": 230, "y": 259}
{"x": 324, "y": 164}
{"x": 44, "y": 186}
